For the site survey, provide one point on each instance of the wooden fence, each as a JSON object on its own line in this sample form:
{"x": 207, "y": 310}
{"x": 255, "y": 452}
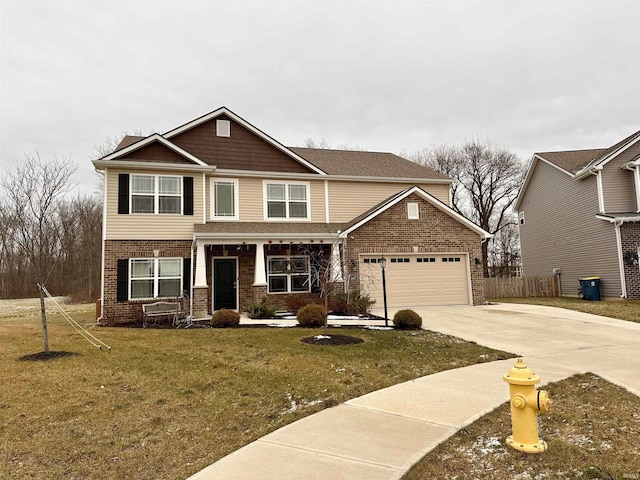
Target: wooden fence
{"x": 504, "y": 287}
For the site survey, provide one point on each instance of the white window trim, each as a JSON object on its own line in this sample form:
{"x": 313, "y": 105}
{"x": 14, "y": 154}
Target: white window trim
{"x": 286, "y": 218}
{"x": 289, "y": 274}
{"x": 156, "y": 194}
{"x": 415, "y": 214}
{"x": 156, "y": 271}
{"x": 212, "y": 199}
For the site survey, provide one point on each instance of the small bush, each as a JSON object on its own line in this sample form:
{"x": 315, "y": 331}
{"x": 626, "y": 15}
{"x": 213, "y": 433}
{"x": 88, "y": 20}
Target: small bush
{"x": 407, "y": 320}
{"x": 312, "y": 315}
{"x": 261, "y": 309}
{"x": 295, "y": 303}
{"x": 352, "y": 303}
{"x": 225, "y": 318}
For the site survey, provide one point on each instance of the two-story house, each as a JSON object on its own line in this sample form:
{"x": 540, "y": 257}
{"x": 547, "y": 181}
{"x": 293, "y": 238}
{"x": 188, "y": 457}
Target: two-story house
{"x": 221, "y": 212}
{"x": 579, "y": 212}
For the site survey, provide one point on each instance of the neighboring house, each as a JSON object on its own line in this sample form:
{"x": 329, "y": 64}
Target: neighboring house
{"x": 579, "y": 211}
{"x": 219, "y": 211}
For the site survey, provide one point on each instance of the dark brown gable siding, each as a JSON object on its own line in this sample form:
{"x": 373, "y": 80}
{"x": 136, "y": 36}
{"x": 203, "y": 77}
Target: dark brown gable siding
{"x": 243, "y": 150}
{"x": 156, "y": 152}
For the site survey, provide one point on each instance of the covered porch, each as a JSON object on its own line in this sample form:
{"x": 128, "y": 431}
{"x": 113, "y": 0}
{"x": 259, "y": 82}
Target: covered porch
{"x": 240, "y": 262}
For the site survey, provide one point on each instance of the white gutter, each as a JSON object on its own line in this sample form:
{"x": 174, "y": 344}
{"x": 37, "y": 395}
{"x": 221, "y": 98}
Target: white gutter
{"x": 100, "y": 164}
{"x": 193, "y": 244}
{"x": 104, "y": 238}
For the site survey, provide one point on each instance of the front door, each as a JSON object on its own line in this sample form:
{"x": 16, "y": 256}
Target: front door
{"x": 225, "y": 288}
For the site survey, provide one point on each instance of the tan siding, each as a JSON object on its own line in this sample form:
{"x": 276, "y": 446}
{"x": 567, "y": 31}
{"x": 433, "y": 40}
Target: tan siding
{"x": 150, "y": 227}
{"x": 347, "y": 200}
{"x": 561, "y": 230}
{"x": 617, "y": 183}
{"x": 252, "y": 199}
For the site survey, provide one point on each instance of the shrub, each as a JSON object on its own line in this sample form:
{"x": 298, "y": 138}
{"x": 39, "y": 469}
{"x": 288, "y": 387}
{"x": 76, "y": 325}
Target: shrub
{"x": 312, "y": 315}
{"x": 407, "y": 320}
{"x": 352, "y": 303}
{"x": 225, "y": 318}
{"x": 295, "y": 303}
{"x": 261, "y": 309}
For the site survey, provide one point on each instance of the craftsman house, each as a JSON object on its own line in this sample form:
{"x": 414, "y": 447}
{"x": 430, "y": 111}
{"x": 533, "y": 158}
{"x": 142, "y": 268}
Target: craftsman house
{"x": 218, "y": 211}
{"x": 579, "y": 215}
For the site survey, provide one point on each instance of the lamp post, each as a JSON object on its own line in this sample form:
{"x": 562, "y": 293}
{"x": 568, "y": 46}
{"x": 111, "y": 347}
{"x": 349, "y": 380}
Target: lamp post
{"x": 383, "y": 264}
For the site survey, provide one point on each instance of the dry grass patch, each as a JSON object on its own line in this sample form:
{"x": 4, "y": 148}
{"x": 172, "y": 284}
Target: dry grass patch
{"x": 622, "y": 309}
{"x": 592, "y": 431}
{"x": 166, "y": 403}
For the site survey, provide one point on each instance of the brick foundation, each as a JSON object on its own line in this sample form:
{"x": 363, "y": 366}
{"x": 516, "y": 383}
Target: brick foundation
{"x": 131, "y": 311}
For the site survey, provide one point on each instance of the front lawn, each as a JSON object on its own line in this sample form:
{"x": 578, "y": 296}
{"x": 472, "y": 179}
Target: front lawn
{"x": 622, "y": 309}
{"x": 166, "y": 403}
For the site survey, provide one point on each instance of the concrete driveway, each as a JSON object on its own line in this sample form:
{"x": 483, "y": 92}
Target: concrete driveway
{"x": 365, "y": 438}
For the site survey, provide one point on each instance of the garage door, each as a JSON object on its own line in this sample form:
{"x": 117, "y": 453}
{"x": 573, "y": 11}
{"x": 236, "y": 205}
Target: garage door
{"x": 415, "y": 280}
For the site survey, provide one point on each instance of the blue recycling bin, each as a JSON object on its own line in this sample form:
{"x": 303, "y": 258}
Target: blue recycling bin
{"x": 590, "y": 287}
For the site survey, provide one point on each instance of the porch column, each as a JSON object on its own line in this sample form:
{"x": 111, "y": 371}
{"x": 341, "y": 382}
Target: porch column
{"x": 201, "y": 267}
{"x": 259, "y": 276}
{"x": 336, "y": 264}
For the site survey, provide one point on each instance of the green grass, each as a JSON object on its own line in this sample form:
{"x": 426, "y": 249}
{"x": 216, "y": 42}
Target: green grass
{"x": 166, "y": 403}
{"x": 622, "y": 309}
{"x": 592, "y": 432}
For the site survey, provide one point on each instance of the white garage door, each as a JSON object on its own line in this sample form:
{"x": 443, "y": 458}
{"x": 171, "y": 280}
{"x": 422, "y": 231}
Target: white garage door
{"x": 415, "y": 280}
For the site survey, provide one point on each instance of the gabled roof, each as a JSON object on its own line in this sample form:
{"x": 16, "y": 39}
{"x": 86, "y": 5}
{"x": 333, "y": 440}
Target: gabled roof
{"x": 394, "y": 199}
{"x": 360, "y": 163}
{"x": 224, "y": 111}
{"x": 143, "y": 142}
{"x": 572, "y": 161}
{"x": 127, "y": 140}
{"x": 576, "y": 163}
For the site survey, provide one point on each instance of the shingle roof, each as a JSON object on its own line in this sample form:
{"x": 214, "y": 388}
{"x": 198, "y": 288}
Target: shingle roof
{"x": 368, "y": 164}
{"x": 574, "y": 160}
{"x": 127, "y": 140}
{"x": 284, "y": 228}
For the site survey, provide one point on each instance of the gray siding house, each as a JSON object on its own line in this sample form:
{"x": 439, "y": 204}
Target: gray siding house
{"x": 579, "y": 211}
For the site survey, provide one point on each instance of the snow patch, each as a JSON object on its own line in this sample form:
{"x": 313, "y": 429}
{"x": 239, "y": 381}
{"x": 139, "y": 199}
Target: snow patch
{"x": 371, "y": 327}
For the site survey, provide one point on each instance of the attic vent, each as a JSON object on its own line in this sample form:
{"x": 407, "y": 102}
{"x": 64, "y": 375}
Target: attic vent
{"x": 223, "y": 128}
{"x": 413, "y": 211}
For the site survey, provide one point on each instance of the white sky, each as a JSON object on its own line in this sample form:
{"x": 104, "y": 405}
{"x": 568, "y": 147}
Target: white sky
{"x": 382, "y": 75}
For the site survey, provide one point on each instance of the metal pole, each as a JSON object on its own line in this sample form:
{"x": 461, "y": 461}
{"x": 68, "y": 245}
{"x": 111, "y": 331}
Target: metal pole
{"x": 384, "y": 293}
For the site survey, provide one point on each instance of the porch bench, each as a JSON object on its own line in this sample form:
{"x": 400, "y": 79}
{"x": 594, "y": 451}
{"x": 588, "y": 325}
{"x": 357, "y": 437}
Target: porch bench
{"x": 154, "y": 313}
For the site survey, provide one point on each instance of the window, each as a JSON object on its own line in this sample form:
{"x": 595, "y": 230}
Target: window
{"x": 156, "y": 194}
{"x": 400, "y": 260}
{"x": 155, "y": 277}
{"x": 288, "y": 274}
{"x": 451, "y": 259}
{"x": 426, "y": 260}
{"x": 413, "y": 211}
{"x": 224, "y": 199}
{"x": 286, "y": 201}
{"x": 521, "y": 218}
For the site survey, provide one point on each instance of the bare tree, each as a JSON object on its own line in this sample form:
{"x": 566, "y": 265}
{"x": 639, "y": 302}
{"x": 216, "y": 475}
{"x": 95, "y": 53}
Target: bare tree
{"x": 32, "y": 192}
{"x": 486, "y": 182}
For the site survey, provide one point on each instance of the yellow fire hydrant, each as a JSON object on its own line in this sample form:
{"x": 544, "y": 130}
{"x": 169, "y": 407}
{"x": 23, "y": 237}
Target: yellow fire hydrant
{"x": 526, "y": 405}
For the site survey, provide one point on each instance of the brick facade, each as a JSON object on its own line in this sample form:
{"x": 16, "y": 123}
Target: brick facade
{"x": 434, "y": 232}
{"x": 115, "y": 312}
{"x": 630, "y": 239}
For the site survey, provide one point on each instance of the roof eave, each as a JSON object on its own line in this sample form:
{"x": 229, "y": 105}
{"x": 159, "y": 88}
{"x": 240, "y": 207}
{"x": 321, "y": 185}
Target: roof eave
{"x": 102, "y": 164}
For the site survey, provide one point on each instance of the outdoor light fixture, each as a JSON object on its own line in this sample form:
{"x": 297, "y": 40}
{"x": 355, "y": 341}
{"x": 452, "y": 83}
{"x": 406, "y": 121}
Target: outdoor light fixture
{"x": 383, "y": 264}
{"x": 478, "y": 261}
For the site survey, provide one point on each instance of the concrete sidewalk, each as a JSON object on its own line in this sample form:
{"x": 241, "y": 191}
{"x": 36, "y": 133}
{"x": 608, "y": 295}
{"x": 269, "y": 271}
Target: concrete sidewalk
{"x": 366, "y": 438}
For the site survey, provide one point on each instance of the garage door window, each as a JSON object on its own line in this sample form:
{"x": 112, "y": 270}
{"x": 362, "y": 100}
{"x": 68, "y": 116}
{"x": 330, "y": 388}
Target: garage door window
{"x": 426, "y": 260}
{"x": 451, "y": 259}
{"x": 399, "y": 260}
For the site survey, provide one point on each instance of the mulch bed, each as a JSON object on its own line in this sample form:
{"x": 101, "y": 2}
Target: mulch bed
{"x": 332, "y": 340}
{"x": 43, "y": 356}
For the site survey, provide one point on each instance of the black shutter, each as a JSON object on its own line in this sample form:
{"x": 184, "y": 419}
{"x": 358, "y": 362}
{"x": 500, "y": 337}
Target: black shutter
{"x": 123, "y": 193}
{"x": 123, "y": 280}
{"x": 187, "y": 188}
{"x": 186, "y": 277}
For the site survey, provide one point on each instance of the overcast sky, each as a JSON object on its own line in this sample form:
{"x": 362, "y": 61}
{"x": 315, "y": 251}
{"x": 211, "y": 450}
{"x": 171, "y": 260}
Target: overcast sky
{"x": 382, "y": 75}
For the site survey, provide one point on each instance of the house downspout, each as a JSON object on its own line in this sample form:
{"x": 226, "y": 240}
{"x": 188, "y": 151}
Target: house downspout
{"x": 623, "y": 283}
{"x": 104, "y": 242}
